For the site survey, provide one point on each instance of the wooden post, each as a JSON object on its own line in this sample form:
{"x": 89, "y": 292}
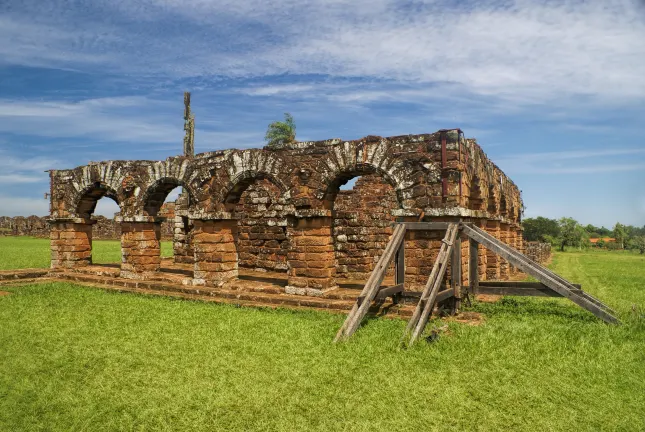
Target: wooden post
{"x": 399, "y": 266}
{"x": 473, "y": 270}
{"x": 455, "y": 273}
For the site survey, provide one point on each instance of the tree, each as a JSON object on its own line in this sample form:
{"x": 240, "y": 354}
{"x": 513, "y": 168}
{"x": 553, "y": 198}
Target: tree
{"x": 620, "y": 234}
{"x": 571, "y": 233}
{"x": 281, "y": 133}
{"x": 639, "y": 243}
{"x": 600, "y": 243}
{"x": 540, "y": 229}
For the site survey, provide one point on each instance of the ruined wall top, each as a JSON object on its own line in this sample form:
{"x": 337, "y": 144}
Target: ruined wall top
{"x": 437, "y": 174}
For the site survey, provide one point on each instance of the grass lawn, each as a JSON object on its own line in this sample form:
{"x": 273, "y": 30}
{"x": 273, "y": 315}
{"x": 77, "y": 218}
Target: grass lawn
{"x": 24, "y": 252}
{"x": 74, "y": 358}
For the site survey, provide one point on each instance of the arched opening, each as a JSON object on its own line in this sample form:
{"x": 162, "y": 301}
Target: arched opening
{"x": 169, "y": 199}
{"x": 99, "y": 205}
{"x": 362, "y": 204}
{"x": 262, "y": 242}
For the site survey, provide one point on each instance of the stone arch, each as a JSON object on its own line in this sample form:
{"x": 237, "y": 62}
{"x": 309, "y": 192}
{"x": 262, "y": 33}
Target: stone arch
{"x": 86, "y": 200}
{"x": 351, "y": 159}
{"x": 155, "y": 194}
{"x": 95, "y": 182}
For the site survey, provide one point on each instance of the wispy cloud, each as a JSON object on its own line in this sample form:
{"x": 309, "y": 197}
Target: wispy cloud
{"x": 575, "y": 161}
{"x": 520, "y": 51}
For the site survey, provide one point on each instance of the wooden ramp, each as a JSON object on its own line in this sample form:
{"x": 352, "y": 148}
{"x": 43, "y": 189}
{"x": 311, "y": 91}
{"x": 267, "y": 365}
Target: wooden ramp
{"x": 544, "y": 275}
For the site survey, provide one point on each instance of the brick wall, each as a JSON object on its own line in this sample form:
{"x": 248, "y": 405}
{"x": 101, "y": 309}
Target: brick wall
{"x": 361, "y": 226}
{"x": 262, "y": 231}
{"x": 103, "y": 229}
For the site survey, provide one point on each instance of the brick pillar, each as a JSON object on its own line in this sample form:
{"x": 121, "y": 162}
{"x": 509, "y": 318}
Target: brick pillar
{"x": 182, "y": 244}
{"x": 140, "y": 248}
{"x": 504, "y": 266}
{"x": 493, "y": 260}
{"x": 311, "y": 261}
{"x": 215, "y": 246}
{"x": 71, "y": 243}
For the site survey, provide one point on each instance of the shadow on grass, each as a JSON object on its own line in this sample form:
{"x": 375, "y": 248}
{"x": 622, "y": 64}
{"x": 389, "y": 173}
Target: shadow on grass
{"x": 521, "y": 306}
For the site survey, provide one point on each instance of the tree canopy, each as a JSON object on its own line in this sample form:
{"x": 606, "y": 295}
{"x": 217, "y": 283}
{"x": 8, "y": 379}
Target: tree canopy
{"x": 281, "y": 133}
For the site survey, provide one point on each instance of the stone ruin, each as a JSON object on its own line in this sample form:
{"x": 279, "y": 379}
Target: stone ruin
{"x": 283, "y": 210}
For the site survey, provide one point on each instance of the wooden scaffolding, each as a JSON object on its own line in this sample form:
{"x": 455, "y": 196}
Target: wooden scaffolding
{"x": 549, "y": 283}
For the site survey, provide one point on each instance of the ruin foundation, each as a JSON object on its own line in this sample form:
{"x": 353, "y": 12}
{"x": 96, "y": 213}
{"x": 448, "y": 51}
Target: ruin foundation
{"x": 284, "y": 210}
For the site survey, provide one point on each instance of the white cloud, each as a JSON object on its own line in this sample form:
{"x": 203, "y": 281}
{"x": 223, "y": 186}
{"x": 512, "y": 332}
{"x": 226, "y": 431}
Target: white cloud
{"x": 521, "y": 52}
{"x": 591, "y": 161}
{"x": 20, "y": 206}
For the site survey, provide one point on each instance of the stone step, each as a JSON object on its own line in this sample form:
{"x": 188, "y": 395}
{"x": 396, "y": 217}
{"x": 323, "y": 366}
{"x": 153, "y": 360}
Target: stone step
{"x": 22, "y": 274}
{"x": 258, "y": 296}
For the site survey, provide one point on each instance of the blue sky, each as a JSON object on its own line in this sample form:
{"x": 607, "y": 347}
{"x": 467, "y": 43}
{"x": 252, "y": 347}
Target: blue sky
{"x": 554, "y": 91}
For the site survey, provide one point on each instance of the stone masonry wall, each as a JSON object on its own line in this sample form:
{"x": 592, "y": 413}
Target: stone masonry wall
{"x": 538, "y": 252}
{"x": 262, "y": 230}
{"x": 362, "y": 226}
{"x": 37, "y": 226}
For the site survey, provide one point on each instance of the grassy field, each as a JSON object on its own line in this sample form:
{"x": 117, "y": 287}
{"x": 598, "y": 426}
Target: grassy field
{"x": 23, "y": 252}
{"x": 74, "y": 358}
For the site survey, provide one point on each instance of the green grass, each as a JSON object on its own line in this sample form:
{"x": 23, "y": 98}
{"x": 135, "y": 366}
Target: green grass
{"x": 29, "y": 252}
{"x": 74, "y": 358}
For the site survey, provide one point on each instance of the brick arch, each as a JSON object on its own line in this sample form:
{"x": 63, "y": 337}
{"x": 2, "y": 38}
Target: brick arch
{"x": 353, "y": 159}
{"x": 245, "y": 167}
{"x": 85, "y": 202}
{"x": 156, "y": 193}
{"x": 93, "y": 183}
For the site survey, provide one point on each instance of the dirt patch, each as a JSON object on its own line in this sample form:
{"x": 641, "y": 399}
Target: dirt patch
{"x": 4, "y": 293}
{"x": 470, "y": 318}
{"x": 488, "y": 298}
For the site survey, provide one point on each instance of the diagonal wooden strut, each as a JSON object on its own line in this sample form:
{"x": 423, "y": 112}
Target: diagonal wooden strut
{"x": 371, "y": 288}
{"x": 547, "y": 277}
{"x": 426, "y": 303}
{"x": 576, "y": 290}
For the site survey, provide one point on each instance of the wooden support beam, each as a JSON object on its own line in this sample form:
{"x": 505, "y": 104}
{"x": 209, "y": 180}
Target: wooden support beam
{"x": 399, "y": 265}
{"x": 540, "y": 273}
{"x": 372, "y": 286}
{"x": 473, "y": 267}
{"x": 426, "y": 303}
{"x": 427, "y": 226}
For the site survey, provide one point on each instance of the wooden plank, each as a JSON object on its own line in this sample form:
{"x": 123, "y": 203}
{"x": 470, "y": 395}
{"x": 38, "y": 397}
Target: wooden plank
{"x": 494, "y": 245}
{"x": 427, "y": 226}
{"x": 548, "y": 272}
{"x": 443, "y": 250}
{"x": 428, "y": 302}
{"x": 444, "y": 295}
{"x": 514, "y": 291}
{"x": 399, "y": 265}
{"x": 389, "y": 291}
{"x": 372, "y": 286}
{"x": 518, "y": 284}
{"x": 473, "y": 267}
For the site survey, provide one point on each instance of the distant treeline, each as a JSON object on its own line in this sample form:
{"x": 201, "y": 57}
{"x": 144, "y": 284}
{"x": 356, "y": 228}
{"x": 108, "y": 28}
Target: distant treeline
{"x": 569, "y": 232}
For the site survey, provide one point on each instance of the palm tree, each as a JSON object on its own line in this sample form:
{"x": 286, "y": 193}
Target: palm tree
{"x": 281, "y": 133}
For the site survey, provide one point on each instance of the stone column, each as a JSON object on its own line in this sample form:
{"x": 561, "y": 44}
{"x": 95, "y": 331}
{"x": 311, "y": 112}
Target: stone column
{"x": 182, "y": 244}
{"x": 215, "y": 246}
{"x": 493, "y": 260}
{"x": 71, "y": 243}
{"x": 140, "y": 246}
{"x": 311, "y": 261}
